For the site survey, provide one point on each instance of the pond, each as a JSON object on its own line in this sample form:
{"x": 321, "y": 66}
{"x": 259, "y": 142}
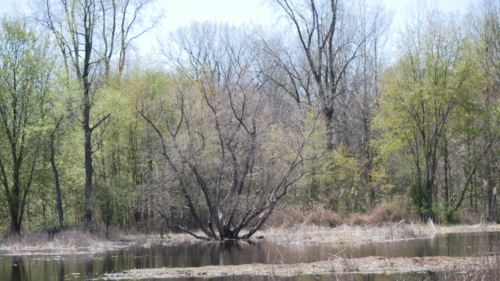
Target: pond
{"x": 92, "y": 267}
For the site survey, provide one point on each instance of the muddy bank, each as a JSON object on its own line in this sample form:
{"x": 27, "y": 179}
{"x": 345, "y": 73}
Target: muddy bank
{"x": 334, "y": 266}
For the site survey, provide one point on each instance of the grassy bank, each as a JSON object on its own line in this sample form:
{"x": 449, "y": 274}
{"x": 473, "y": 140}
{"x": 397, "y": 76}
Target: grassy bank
{"x": 289, "y": 225}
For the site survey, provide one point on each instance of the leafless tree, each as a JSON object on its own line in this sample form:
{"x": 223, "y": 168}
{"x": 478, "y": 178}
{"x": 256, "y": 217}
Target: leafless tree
{"x": 364, "y": 85}
{"x": 331, "y": 37}
{"x": 233, "y": 151}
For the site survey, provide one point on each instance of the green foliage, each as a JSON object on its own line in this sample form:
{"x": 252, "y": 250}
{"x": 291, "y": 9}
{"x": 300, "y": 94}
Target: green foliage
{"x": 431, "y": 88}
{"x": 438, "y": 100}
{"x": 26, "y": 67}
{"x": 337, "y": 183}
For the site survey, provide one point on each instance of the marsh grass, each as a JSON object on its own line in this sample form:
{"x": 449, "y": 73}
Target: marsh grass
{"x": 64, "y": 242}
{"x": 344, "y": 234}
{"x": 485, "y": 267}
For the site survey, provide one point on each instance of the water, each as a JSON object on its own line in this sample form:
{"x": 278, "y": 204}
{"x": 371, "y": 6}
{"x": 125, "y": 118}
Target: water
{"x": 91, "y": 267}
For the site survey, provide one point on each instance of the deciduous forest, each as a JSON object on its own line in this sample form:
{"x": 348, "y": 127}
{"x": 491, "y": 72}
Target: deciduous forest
{"x": 332, "y": 108}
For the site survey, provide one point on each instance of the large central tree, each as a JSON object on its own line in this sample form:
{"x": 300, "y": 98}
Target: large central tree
{"x": 232, "y": 147}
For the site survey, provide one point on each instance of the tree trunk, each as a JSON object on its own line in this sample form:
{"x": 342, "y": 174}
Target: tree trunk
{"x": 14, "y": 198}
{"x": 330, "y": 130}
{"x": 59, "y": 207}
{"x": 87, "y": 211}
{"x": 15, "y": 223}
{"x": 87, "y": 130}
{"x": 446, "y": 172}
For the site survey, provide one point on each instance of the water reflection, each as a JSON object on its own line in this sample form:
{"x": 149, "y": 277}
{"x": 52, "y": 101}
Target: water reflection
{"x": 87, "y": 267}
{"x": 61, "y": 271}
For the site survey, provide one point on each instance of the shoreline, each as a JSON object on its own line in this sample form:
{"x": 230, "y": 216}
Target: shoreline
{"x": 76, "y": 243}
{"x": 341, "y": 235}
{"x": 314, "y": 235}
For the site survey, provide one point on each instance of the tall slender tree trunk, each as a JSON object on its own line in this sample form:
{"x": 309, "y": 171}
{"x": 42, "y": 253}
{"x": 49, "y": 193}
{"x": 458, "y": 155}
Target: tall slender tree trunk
{"x": 446, "y": 172}
{"x": 59, "y": 207}
{"x": 87, "y": 211}
{"x": 87, "y": 129}
{"x": 15, "y": 202}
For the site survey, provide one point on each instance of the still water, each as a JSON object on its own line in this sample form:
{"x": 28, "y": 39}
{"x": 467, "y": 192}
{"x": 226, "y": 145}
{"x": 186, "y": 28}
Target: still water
{"x": 92, "y": 267}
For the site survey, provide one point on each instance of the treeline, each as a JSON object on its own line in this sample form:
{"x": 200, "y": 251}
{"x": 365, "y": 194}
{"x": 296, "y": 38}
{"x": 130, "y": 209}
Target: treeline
{"x": 225, "y": 124}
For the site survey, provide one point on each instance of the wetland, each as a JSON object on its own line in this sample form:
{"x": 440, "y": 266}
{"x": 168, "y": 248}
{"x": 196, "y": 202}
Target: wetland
{"x": 281, "y": 255}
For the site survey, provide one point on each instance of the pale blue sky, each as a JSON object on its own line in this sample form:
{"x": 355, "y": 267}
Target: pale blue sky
{"x": 181, "y": 12}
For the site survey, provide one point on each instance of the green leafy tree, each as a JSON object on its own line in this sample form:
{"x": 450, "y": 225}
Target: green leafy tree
{"x": 87, "y": 33}
{"x": 26, "y": 67}
{"x": 435, "y": 78}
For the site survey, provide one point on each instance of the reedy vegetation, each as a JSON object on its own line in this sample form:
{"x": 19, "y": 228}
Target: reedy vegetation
{"x": 229, "y": 122}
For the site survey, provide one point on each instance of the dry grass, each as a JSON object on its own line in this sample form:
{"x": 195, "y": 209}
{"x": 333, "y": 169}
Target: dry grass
{"x": 290, "y": 217}
{"x": 291, "y": 226}
{"x": 484, "y": 266}
{"x": 344, "y": 234}
{"x": 324, "y": 218}
{"x": 65, "y": 242}
{"x": 339, "y": 265}
{"x": 321, "y": 226}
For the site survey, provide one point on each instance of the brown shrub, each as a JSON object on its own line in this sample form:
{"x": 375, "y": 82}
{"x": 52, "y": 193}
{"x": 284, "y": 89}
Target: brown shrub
{"x": 356, "y": 219}
{"x": 291, "y": 216}
{"x": 322, "y": 217}
{"x": 469, "y": 216}
{"x": 286, "y": 217}
{"x": 385, "y": 213}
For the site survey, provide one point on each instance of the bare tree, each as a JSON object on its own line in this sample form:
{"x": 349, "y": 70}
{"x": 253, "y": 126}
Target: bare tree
{"x": 364, "y": 85}
{"x": 331, "y": 38}
{"x": 234, "y": 153}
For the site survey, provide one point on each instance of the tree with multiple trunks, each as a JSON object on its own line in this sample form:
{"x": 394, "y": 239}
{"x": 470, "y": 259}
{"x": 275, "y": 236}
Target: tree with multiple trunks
{"x": 232, "y": 150}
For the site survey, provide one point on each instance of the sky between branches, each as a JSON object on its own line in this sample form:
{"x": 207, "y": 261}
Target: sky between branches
{"x": 181, "y": 12}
